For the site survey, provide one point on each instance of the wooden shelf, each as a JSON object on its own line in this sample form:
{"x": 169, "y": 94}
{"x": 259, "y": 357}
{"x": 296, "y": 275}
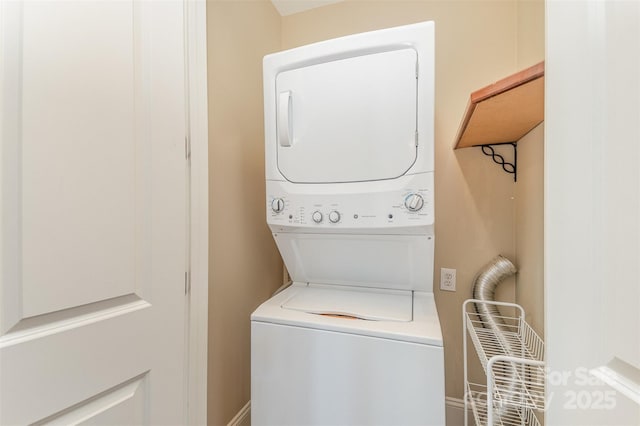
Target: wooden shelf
{"x": 504, "y": 111}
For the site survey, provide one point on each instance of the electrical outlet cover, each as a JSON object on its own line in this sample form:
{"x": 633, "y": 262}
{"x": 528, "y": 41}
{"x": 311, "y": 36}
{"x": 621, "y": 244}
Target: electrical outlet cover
{"x": 447, "y": 279}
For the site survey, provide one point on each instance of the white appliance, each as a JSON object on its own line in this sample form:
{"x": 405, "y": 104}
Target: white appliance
{"x": 355, "y": 340}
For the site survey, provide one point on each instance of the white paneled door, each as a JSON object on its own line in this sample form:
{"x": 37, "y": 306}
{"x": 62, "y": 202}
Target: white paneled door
{"x": 94, "y": 212}
{"x": 592, "y": 213}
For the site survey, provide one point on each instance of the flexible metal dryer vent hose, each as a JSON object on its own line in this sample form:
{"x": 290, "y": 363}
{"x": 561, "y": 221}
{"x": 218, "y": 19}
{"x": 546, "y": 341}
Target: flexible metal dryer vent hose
{"x": 484, "y": 288}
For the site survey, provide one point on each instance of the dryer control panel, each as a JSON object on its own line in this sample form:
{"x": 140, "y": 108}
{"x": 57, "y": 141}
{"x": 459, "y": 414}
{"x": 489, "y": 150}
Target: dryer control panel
{"x": 382, "y": 206}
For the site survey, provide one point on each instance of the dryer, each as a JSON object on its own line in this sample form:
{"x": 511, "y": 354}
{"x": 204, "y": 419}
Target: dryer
{"x": 356, "y": 339}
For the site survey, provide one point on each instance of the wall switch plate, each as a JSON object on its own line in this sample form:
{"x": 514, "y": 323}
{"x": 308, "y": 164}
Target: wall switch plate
{"x": 447, "y": 279}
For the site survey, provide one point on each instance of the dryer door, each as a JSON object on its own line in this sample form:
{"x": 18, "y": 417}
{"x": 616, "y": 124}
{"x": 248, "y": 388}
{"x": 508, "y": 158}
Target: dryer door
{"x": 348, "y": 120}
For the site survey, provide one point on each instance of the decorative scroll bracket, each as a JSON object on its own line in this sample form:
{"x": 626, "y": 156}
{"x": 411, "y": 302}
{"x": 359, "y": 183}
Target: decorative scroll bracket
{"x": 511, "y": 168}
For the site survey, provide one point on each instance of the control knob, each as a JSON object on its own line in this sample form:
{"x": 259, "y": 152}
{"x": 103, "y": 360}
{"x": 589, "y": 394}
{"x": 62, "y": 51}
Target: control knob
{"x": 334, "y": 217}
{"x": 316, "y": 216}
{"x": 414, "y": 202}
{"x": 277, "y": 205}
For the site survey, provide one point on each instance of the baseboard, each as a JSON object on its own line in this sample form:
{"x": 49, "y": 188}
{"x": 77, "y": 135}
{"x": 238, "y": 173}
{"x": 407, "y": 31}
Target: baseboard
{"x": 454, "y": 413}
{"x": 243, "y": 418}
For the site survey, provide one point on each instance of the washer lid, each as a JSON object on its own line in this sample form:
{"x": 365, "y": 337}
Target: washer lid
{"x": 348, "y": 120}
{"x": 367, "y": 304}
{"x": 424, "y": 328}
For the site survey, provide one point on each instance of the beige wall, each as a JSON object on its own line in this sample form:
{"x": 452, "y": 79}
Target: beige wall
{"x": 530, "y": 227}
{"x": 244, "y": 264}
{"x": 476, "y": 44}
{"x": 529, "y": 191}
{"x": 479, "y": 210}
{"x": 530, "y": 20}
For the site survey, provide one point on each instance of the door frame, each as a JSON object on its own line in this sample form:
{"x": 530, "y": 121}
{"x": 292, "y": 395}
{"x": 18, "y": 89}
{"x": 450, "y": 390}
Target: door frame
{"x": 197, "y": 141}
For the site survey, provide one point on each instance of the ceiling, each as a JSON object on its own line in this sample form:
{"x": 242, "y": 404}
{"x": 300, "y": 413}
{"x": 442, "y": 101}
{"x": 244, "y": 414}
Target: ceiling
{"x": 289, "y": 7}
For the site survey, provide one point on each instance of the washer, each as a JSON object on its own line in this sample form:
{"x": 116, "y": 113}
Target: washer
{"x": 356, "y": 339}
{"x": 324, "y": 370}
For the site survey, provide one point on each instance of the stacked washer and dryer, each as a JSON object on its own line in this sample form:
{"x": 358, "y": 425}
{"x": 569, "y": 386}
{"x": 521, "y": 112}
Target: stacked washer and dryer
{"x": 356, "y": 339}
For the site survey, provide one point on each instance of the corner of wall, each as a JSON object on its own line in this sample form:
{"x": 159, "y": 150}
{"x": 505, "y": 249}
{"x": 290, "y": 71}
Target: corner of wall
{"x": 529, "y": 191}
{"x": 244, "y": 264}
{"x": 530, "y": 227}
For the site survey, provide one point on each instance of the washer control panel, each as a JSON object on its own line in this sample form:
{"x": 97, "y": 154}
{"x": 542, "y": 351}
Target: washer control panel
{"x": 410, "y": 206}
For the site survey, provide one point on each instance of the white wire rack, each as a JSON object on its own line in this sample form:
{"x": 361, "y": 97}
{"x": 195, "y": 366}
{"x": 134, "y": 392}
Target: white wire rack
{"x": 511, "y": 354}
{"x": 477, "y": 400}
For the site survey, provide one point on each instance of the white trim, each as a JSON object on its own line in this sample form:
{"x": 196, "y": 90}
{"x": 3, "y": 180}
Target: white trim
{"x": 243, "y": 418}
{"x": 196, "y": 68}
{"x": 290, "y": 7}
{"x": 619, "y": 381}
{"x": 452, "y": 402}
{"x": 455, "y": 412}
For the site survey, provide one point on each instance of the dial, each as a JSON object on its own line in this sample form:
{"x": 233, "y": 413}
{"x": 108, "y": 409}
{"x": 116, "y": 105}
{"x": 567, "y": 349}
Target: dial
{"x": 277, "y": 205}
{"x": 334, "y": 217}
{"x": 414, "y": 202}
{"x": 316, "y": 216}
